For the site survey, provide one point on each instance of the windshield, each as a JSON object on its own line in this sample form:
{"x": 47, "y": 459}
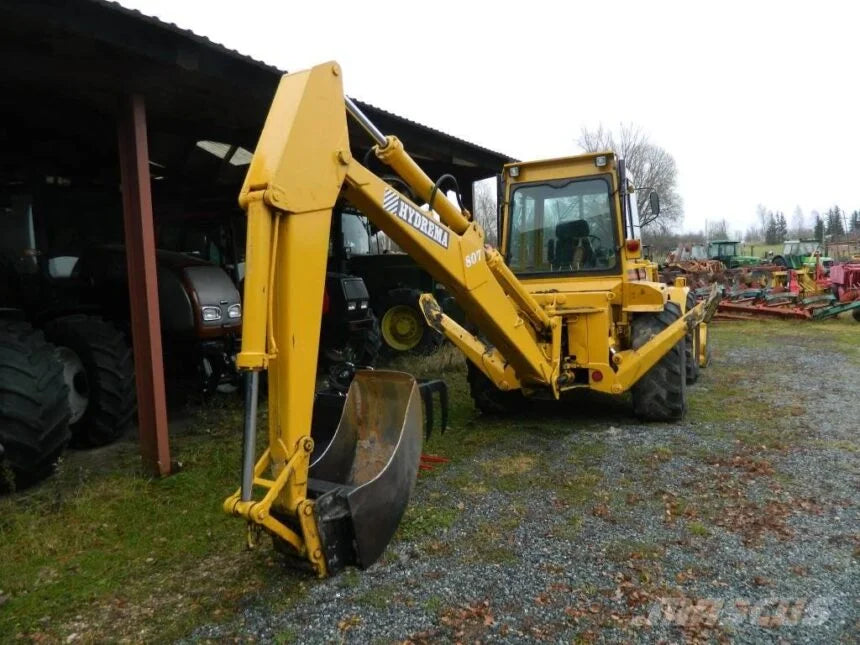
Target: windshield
{"x": 355, "y": 234}
{"x": 725, "y": 249}
{"x": 562, "y": 227}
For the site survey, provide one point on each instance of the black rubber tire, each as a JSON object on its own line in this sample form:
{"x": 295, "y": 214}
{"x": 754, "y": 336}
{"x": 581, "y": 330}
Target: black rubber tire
{"x": 691, "y": 347}
{"x": 856, "y": 314}
{"x": 489, "y": 399}
{"x": 661, "y": 394}
{"x": 34, "y": 412}
{"x": 431, "y": 340}
{"x": 107, "y": 362}
{"x": 366, "y": 343}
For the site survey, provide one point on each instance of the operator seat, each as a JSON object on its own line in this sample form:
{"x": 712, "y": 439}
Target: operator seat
{"x": 572, "y": 245}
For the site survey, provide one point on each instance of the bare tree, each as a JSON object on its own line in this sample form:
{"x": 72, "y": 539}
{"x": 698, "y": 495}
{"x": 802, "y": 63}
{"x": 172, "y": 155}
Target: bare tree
{"x": 651, "y": 166}
{"x": 763, "y": 219}
{"x": 484, "y": 207}
{"x": 798, "y": 222}
{"x": 718, "y": 230}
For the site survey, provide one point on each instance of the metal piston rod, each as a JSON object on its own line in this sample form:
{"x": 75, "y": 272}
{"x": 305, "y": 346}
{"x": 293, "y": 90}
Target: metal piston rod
{"x": 249, "y": 439}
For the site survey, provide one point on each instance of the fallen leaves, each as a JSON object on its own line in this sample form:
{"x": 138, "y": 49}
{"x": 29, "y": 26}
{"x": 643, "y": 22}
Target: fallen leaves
{"x": 463, "y": 623}
{"x": 602, "y": 511}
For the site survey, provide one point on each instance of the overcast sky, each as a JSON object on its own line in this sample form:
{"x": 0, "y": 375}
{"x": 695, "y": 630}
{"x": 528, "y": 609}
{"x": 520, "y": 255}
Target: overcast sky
{"x": 758, "y": 101}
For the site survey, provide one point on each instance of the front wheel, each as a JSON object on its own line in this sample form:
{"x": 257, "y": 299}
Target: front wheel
{"x": 98, "y": 369}
{"x": 491, "y": 400}
{"x": 661, "y": 394}
{"x": 34, "y": 412}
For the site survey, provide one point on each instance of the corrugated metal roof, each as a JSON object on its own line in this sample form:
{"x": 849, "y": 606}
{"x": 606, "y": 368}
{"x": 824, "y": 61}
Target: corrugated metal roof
{"x": 207, "y": 42}
{"x": 187, "y": 33}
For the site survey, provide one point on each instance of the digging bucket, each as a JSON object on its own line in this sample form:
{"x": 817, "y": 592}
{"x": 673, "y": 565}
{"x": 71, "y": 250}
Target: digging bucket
{"x": 362, "y": 481}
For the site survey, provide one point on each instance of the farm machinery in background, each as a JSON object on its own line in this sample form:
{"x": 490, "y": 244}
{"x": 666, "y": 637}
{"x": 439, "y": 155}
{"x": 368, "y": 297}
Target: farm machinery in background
{"x": 66, "y": 366}
{"x": 793, "y": 293}
{"x": 726, "y": 251}
{"x": 802, "y": 283}
{"x": 797, "y": 254}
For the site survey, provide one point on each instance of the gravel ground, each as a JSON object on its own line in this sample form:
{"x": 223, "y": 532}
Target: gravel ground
{"x": 730, "y": 526}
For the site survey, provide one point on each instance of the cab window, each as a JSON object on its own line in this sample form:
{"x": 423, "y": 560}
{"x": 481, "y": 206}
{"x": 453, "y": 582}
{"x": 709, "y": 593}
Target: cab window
{"x": 563, "y": 226}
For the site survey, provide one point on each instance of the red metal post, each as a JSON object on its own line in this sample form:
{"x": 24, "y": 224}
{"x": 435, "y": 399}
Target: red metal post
{"x": 142, "y": 284}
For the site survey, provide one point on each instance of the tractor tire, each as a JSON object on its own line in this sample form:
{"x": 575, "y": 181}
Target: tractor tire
{"x": 489, "y": 399}
{"x": 661, "y": 394}
{"x": 404, "y": 329}
{"x": 856, "y": 314}
{"x": 691, "y": 347}
{"x": 98, "y": 369}
{"x": 368, "y": 344}
{"x": 34, "y": 408}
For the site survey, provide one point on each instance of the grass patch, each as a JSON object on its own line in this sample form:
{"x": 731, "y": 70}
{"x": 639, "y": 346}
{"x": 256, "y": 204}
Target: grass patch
{"x": 569, "y": 529}
{"x": 487, "y": 543}
{"x": 842, "y": 445}
{"x": 378, "y": 597}
{"x": 698, "y": 529}
{"x": 103, "y": 541}
{"x": 624, "y": 550}
{"x": 586, "y": 453}
{"x": 421, "y": 521}
{"x": 433, "y": 604}
{"x": 286, "y": 637}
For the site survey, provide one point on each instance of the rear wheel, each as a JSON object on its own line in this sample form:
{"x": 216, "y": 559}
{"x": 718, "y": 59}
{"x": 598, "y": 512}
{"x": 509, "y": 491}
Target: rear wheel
{"x": 488, "y": 398}
{"x": 97, "y": 367}
{"x": 691, "y": 347}
{"x": 366, "y": 343}
{"x": 34, "y": 412}
{"x": 661, "y": 394}
{"x": 403, "y": 326}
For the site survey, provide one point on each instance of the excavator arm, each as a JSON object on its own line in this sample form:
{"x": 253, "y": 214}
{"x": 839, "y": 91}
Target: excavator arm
{"x": 342, "y": 506}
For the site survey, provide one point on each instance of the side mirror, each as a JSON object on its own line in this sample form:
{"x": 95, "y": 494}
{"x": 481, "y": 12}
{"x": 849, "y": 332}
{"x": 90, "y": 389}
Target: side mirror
{"x": 654, "y": 198}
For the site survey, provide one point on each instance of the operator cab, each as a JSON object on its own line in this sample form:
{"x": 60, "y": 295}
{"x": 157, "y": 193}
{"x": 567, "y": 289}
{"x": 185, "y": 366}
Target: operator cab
{"x": 565, "y": 217}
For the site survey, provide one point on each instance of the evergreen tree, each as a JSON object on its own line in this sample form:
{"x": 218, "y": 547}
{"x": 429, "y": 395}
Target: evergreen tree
{"x": 834, "y": 225}
{"x": 771, "y": 233}
{"x": 781, "y": 227}
{"x": 854, "y": 221}
{"x": 818, "y": 230}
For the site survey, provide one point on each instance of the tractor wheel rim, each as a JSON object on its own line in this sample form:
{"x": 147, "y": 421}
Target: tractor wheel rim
{"x": 75, "y": 377}
{"x": 402, "y": 328}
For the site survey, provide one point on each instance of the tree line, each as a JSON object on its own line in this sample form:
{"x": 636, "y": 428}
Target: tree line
{"x": 774, "y": 228}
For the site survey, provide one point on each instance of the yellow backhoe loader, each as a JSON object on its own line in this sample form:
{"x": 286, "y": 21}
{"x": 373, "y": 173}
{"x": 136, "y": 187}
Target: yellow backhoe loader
{"x": 566, "y": 302}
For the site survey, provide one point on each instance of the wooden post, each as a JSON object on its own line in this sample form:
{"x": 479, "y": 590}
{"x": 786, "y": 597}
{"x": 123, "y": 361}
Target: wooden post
{"x": 142, "y": 285}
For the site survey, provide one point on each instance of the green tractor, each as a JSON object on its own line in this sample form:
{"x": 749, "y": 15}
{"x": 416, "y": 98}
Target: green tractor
{"x": 394, "y": 281}
{"x": 726, "y": 251}
{"x": 797, "y": 254}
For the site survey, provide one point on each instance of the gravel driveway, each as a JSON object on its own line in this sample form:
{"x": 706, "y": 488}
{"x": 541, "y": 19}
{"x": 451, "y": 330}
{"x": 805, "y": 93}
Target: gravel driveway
{"x": 739, "y": 524}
